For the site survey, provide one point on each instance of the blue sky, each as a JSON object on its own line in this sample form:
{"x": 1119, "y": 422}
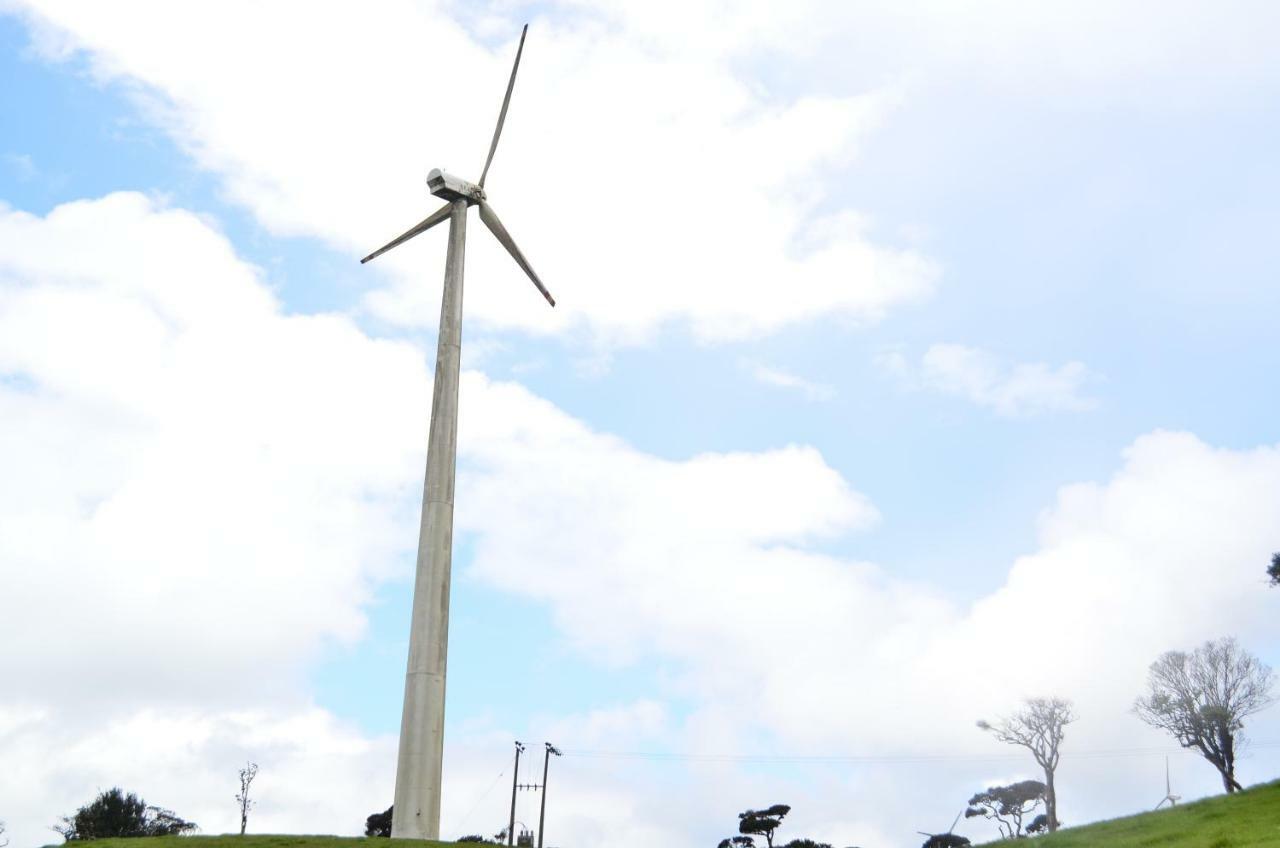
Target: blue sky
{"x": 1071, "y": 229}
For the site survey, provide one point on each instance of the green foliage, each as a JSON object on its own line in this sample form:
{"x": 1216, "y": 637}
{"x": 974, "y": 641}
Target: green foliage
{"x": 762, "y": 822}
{"x": 379, "y": 824}
{"x": 114, "y": 813}
{"x": 1249, "y": 819}
{"x": 946, "y": 840}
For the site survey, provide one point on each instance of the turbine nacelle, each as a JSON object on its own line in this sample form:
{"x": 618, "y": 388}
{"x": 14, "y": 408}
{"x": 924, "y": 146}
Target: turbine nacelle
{"x": 451, "y": 189}
{"x": 448, "y": 187}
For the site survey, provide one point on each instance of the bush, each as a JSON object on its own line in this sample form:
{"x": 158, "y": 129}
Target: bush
{"x": 379, "y": 824}
{"x": 113, "y": 813}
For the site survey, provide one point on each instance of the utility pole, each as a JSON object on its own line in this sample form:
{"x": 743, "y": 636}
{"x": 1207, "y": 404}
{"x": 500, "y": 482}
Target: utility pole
{"x": 515, "y": 776}
{"x": 546, "y": 761}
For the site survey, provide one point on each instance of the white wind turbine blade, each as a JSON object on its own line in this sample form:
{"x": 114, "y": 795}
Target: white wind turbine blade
{"x": 506, "y": 101}
{"x": 441, "y": 214}
{"x": 491, "y": 221}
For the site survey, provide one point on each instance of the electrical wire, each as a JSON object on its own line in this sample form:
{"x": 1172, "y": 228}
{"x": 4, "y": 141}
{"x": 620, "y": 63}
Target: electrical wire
{"x": 875, "y": 759}
{"x": 483, "y": 795}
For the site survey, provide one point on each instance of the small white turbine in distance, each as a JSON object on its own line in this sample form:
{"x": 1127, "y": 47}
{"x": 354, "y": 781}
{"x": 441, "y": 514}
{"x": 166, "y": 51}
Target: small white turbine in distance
{"x": 1168, "y": 790}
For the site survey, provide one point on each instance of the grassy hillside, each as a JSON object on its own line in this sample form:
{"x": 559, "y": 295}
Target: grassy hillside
{"x": 1249, "y": 819}
{"x": 267, "y": 841}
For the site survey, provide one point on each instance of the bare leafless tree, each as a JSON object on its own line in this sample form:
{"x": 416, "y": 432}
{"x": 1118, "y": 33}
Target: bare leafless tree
{"x": 1038, "y": 726}
{"x": 1202, "y": 699}
{"x": 247, "y": 774}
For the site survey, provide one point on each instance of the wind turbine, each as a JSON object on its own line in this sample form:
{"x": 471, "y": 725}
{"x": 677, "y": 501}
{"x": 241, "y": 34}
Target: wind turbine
{"x": 417, "y": 798}
{"x": 948, "y": 839}
{"x": 1168, "y": 790}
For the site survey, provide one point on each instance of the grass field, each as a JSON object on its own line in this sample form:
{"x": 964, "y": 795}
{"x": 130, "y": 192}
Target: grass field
{"x": 267, "y": 841}
{"x": 1249, "y": 819}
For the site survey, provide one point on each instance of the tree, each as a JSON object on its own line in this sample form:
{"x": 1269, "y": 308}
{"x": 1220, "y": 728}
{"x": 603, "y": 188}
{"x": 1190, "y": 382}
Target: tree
{"x": 4, "y": 840}
{"x": 1008, "y": 805}
{"x": 247, "y": 774}
{"x": 806, "y": 843}
{"x": 737, "y": 842}
{"x": 113, "y": 813}
{"x": 1202, "y": 699}
{"x": 1039, "y": 727}
{"x": 763, "y": 822}
{"x": 379, "y": 824}
{"x": 1273, "y": 570}
{"x": 946, "y": 840}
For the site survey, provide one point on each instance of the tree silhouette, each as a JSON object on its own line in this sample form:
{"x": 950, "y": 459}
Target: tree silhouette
{"x": 1273, "y": 570}
{"x": 247, "y": 774}
{"x": 1039, "y": 727}
{"x": 1008, "y": 805}
{"x": 758, "y": 822}
{"x": 1202, "y": 699}
{"x": 946, "y": 840}
{"x": 379, "y": 824}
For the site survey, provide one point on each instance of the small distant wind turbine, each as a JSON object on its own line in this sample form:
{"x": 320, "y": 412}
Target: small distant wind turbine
{"x": 1168, "y": 790}
{"x": 417, "y": 798}
{"x": 948, "y": 839}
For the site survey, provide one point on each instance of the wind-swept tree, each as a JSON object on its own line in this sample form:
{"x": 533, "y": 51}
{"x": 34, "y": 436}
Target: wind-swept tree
{"x": 1202, "y": 699}
{"x": 1039, "y": 727}
{"x": 1273, "y": 570}
{"x": 762, "y": 822}
{"x": 1007, "y": 805}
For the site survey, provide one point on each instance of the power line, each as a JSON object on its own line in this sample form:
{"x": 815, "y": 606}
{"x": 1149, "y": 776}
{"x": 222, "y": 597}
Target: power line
{"x": 875, "y": 759}
{"x": 483, "y": 795}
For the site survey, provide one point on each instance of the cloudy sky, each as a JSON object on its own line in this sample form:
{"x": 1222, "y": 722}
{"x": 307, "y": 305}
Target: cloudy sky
{"x": 910, "y": 359}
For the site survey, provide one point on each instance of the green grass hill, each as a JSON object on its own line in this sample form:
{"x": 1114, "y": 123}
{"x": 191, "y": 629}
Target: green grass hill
{"x": 1249, "y": 819}
{"x": 265, "y": 841}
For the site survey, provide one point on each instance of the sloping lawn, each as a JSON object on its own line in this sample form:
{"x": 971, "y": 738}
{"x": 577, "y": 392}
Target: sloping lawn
{"x": 266, "y": 841}
{"x": 1249, "y": 819}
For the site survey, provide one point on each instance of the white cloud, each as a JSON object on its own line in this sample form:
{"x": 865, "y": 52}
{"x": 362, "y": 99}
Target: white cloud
{"x": 1026, "y": 388}
{"x": 199, "y": 495}
{"x": 644, "y": 179}
{"x": 166, "y": 424}
{"x": 786, "y": 380}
